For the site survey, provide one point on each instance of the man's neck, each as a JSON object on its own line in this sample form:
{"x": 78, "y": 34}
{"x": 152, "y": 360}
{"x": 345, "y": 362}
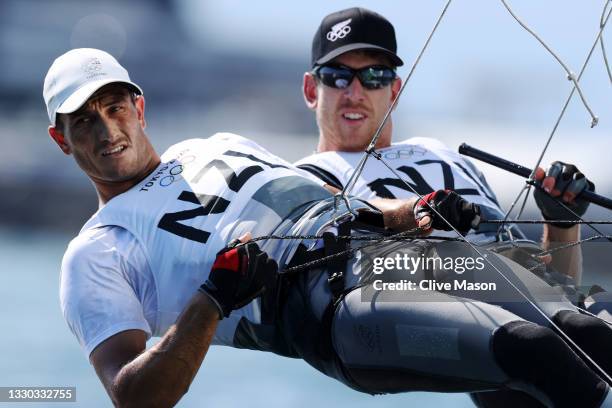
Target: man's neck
{"x": 108, "y": 190}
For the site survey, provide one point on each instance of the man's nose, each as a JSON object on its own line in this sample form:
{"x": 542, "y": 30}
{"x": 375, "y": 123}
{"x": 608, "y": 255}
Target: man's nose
{"x": 355, "y": 90}
{"x": 106, "y": 129}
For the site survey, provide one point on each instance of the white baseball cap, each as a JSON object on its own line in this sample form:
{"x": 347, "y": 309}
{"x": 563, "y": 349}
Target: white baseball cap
{"x": 76, "y": 75}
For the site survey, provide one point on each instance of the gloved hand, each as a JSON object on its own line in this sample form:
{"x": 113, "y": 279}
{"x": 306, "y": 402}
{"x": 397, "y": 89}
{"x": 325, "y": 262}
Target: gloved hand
{"x": 239, "y": 275}
{"x": 564, "y": 181}
{"x": 461, "y": 214}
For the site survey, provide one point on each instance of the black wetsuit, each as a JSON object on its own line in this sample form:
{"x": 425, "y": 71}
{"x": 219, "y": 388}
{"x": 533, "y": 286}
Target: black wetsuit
{"x": 457, "y": 340}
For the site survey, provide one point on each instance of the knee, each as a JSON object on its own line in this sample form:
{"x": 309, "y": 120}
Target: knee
{"x": 582, "y": 327}
{"x": 521, "y": 344}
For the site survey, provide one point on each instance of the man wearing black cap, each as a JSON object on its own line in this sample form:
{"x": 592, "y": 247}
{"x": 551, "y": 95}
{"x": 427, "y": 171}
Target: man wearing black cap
{"x": 351, "y": 86}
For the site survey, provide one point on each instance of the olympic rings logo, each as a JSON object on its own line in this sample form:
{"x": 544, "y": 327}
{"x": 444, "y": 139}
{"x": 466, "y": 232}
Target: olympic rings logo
{"x": 172, "y": 177}
{"x": 340, "y": 33}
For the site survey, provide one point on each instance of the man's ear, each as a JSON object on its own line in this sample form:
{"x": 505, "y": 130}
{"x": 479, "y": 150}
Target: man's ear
{"x": 395, "y": 88}
{"x": 58, "y": 137}
{"x": 309, "y": 90}
{"x": 140, "y": 109}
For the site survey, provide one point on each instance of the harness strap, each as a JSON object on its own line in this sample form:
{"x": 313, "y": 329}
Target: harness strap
{"x": 336, "y": 267}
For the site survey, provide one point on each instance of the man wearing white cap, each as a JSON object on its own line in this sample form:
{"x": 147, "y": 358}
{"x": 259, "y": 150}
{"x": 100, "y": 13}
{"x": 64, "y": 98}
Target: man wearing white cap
{"x": 135, "y": 268}
{"x": 163, "y": 227}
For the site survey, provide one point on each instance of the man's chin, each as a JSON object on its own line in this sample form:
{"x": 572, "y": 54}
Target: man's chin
{"x": 357, "y": 143}
{"x": 119, "y": 176}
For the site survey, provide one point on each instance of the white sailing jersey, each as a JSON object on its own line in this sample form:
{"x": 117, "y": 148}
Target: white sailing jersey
{"x": 140, "y": 258}
{"x": 427, "y": 164}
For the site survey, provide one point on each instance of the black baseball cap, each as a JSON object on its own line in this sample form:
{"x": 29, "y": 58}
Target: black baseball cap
{"x": 353, "y": 29}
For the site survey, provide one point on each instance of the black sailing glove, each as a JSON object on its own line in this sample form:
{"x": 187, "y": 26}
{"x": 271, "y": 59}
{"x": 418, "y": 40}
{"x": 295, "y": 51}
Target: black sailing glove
{"x": 568, "y": 181}
{"x": 239, "y": 275}
{"x": 459, "y": 212}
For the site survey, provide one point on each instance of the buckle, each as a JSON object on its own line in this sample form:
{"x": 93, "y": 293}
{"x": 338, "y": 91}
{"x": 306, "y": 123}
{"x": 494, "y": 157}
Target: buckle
{"x": 336, "y": 282}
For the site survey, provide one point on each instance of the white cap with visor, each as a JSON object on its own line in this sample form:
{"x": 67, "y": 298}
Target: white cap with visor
{"x": 76, "y": 75}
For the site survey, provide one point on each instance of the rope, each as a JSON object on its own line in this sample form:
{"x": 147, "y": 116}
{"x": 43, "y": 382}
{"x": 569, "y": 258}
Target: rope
{"x": 570, "y": 75}
{"x": 567, "y": 101}
{"x": 567, "y": 222}
{"x": 572, "y": 244}
{"x": 601, "y": 41}
{"x": 359, "y": 168}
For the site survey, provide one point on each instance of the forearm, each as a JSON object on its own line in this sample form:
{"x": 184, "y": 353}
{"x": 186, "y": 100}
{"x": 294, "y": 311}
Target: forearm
{"x": 568, "y": 260}
{"x": 397, "y": 214}
{"x": 162, "y": 374}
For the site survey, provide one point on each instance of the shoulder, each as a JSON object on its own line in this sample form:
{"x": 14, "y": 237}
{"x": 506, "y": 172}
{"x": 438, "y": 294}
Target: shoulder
{"x": 97, "y": 257}
{"x": 217, "y": 140}
{"x": 101, "y": 272}
{"x": 329, "y": 167}
{"x": 324, "y": 158}
{"x": 92, "y": 243}
{"x": 426, "y": 142}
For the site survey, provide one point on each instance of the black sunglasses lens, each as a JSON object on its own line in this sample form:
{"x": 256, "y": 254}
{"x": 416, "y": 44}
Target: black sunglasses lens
{"x": 335, "y": 77}
{"x": 376, "y": 77}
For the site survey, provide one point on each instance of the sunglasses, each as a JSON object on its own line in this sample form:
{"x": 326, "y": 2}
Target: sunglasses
{"x": 340, "y": 76}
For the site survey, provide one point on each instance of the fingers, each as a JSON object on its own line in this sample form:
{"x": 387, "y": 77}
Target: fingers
{"x": 424, "y": 222}
{"x": 245, "y": 237}
{"x": 562, "y": 179}
{"x": 575, "y": 187}
{"x": 569, "y": 197}
{"x": 548, "y": 184}
{"x": 546, "y": 259}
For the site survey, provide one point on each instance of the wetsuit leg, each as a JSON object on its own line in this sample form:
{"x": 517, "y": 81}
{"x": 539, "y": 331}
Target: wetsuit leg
{"x": 382, "y": 344}
{"x": 505, "y": 399}
{"x": 591, "y": 334}
{"x": 438, "y": 345}
{"x": 456, "y": 345}
{"x": 537, "y": 356}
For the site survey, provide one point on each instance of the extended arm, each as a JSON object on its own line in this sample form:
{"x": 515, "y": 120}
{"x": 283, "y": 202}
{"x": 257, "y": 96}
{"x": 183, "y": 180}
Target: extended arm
{"x": 398, "y": 214}
{"x": 160, "y": 375}
{"x": 567, "y": 260}
{"x": 405, "y": 214}
{"x": 564, "y": 182}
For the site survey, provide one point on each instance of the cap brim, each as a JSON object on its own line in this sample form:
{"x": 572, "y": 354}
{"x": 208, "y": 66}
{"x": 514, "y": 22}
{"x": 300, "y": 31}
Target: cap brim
{"x": 81, "y": 95}
{"x": 360, "y": 46}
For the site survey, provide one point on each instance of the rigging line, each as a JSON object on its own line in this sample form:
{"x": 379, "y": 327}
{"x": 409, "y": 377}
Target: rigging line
{"x": 570, "y": 75}
{"x": 522, "y": 209}
{"x": 567, "y": 101}
{"x": 576, "y": 222}
{"x": 572, "y": 244}
{"x": 602, "y": 25}
{"x": 601, "y": 41}
{"x": 376, "y": 239}
{"x": 516, "y": 200}
{"x": 347, "y": 252}
{"x": 560, "y": 202}
{"x": 402, "y": 236}
{"x": 556, "y": 327}
{"x": 359, "y": 169}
